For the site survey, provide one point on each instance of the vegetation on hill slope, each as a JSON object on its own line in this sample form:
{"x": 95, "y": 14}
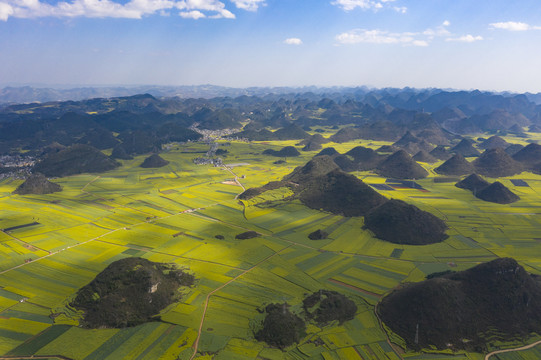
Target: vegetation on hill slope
{"x": 129, "y": 292}
{"x": 465, "y": 310}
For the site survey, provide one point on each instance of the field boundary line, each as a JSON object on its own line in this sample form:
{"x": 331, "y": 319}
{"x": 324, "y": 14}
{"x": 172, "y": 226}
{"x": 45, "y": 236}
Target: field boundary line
{"x": 207, "y": 300}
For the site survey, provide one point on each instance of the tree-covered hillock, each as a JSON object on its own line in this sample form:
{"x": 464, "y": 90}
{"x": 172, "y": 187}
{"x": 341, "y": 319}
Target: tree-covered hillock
{"x": 401, "y": 223}
{"x": 154, "y": 161}
{"x": 129, "y": 292}
{"x": 37, "y": 184}
{"x": 281, "y": 328}
{"x": 489, "y": 302}
{"x": 325, "y": 306}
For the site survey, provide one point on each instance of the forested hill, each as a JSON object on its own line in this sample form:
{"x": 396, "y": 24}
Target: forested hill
{"x": 425, "y": 116}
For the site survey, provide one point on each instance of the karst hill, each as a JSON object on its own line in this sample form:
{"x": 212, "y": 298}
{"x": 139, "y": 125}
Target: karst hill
{"x": 467, "y": 309}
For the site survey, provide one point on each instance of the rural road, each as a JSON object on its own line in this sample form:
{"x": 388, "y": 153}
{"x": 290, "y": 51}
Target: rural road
{"x": 526, "y": 347}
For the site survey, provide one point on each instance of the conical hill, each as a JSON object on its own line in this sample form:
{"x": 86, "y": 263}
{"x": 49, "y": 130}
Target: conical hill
{"x": 154, "y": 161}
{"x": 473, "y": 182}
{"x": 465, "y": 148}
{"x": 37, "y": 184}
{"x": 497, "y": 163}
{"x": 401, "y": 223}
{"x": 400, "y": 165}
{"x": 457, "y": 165}
{"x": 497, "y": 193}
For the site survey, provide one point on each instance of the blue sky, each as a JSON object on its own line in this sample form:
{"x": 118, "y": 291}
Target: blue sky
{"x": 461, "y": 44}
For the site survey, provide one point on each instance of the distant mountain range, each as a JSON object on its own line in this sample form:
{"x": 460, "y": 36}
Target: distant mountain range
{"x": 28, "y": 94}
{"x": 404, "y": 98}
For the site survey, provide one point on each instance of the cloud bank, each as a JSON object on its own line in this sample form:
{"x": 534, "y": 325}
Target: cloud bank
{"x": 348, "y": 5}
{"x": 513, "y": 26}
{"x": 130, "y": 9}
{"x": 421, "y": 39}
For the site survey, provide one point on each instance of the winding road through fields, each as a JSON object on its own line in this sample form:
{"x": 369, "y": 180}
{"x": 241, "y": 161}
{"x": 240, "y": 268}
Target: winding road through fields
{"x": 526, "y": 347}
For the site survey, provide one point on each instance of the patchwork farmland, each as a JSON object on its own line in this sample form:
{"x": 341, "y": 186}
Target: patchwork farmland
{"x": 189, "y": 215}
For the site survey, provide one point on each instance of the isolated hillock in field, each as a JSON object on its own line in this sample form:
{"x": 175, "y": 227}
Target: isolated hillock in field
{"x": 325, "y": 306}
{"x": 457, "y": 165}
{"x": 129, "y": 292}
{"x": 423, "y": 156}
{"x": 497, "y": 193}
{"x": 473, "y": 182}
{"x": 247, "y": 235}
{"x": 529, "y": 156}
{"x": 281, "y": 328}
{"x": 318, "y": 235}
{"x": 489, "y": 302}
{"x": 497, "y": 163}
{"x": 494, "y": 142}
{"x": 339, "y": 193}
{"x": 75, "y": 159}
{"x": 287, "y": 151}
{"x": 440, "y": 152}
{"x": 37, "y": 184}
{"x": 400, "y": 165}
{"x": 154, "y": 161}
{"x": 401, "y": 223}
{"x": 465, "y": 148}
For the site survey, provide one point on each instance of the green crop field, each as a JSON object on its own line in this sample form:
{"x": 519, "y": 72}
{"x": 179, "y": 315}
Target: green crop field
{"x": 189, "y": 215}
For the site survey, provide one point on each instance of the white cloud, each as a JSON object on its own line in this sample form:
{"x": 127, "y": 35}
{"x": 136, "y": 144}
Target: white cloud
{"x": 133, "y": 9}
{"x": 348, "y": 5}
{"x": 421, "y": 39}
{"x": 375, "y": 37}
{"x": 466, "y": 38}
{"x": 293, "y": 41}
{"x": 513, "y": 26}
{"x": 5, "y": 11}
{"x": 194, "y": 14}
{"x": 250, "y": 5}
